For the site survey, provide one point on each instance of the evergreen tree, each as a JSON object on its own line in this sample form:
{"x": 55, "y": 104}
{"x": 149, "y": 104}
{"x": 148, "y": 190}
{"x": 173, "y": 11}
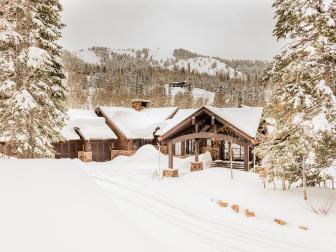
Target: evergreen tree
{"x": 303, "y": 106}
{"x": 32, "y": 79}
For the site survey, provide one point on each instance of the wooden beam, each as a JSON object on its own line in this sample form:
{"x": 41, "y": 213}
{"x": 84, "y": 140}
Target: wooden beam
{"x": 205, "y": 129}
{"x": 208, "y": 135}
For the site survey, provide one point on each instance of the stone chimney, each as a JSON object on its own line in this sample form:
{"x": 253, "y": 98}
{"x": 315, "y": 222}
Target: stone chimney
{"x": 139, "y": 104}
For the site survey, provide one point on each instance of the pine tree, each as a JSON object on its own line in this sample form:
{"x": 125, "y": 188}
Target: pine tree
{"x": 303, "y": 106}
{"x": 32, "y": 79}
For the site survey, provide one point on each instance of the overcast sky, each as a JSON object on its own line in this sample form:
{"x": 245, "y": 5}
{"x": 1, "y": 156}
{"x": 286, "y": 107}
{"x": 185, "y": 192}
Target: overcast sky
{"x": 240, "y": 29}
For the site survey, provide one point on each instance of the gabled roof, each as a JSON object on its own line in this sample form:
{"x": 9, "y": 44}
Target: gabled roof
{"x": 88, "y": 125}
{"x": 137, "y": 124}
{"x": 246, "y": 119}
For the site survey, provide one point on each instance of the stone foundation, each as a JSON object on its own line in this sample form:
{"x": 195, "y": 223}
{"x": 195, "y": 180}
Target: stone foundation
{"x": 85, "y": 156}
{"x": 116, "y": 153}
{"x": 196, "y": 166}
{"x": 170, "y": 173}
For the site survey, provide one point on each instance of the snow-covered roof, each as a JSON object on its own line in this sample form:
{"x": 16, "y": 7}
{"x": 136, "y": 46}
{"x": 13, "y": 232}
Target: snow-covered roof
{"x": 179, "y": 117}
{"x": 246, "y": 119}
{"x": 89, "y": 125}
{"x": 138, "y": 124}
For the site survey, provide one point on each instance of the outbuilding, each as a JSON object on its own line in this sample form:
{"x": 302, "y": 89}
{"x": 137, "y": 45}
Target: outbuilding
{"x": 86, "y": 136}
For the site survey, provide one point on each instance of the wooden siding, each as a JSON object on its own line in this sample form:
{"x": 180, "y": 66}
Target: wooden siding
{"x": 101, "y": 150}
{"x": 68, "y": 149}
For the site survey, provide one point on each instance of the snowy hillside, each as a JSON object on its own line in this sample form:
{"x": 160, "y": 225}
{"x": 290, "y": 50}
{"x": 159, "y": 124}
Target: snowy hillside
{"x": 166, "y": 59}
{"x": 206, "y": 65}
{"x": 88, "y": 56}
{"x": 206, "y": 96}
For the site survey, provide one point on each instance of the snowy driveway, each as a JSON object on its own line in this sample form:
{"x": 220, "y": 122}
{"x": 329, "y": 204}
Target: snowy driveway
{"x": 182, "y": 213}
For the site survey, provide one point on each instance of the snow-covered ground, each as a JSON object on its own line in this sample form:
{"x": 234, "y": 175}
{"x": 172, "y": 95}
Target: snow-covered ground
{"x": 185, "y": 209}
{"x": 54, "y": 205}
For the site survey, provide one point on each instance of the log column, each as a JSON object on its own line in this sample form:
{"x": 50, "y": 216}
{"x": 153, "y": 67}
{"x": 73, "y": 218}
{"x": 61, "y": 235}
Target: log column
{"x": 231, "y": 159}
{"x": 196, "y": 145}
{"x": 170, "y": 156}
{"x": 183, "y": 148}
{"x": 170, "y": 172}
{"x": 196, "y": 150}
{"x": 246, "y": 157}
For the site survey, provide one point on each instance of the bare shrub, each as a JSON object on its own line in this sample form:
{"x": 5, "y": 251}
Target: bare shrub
{"x": 325, "y": 207}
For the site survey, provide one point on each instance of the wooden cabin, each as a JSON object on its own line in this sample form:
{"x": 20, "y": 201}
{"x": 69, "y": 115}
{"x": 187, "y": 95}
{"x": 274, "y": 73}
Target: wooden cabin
{"x": 87, "y": 137}
{"x": 230, "y": 134}
{"x": 135, "y": 126}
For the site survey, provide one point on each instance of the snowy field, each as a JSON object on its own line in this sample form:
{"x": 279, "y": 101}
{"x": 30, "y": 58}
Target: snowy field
{"x": 67, "y": 205}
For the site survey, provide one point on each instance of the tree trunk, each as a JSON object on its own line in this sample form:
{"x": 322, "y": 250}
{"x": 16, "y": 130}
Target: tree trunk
{"x": 283, "y": 184}
{"x": 304, "y": 179}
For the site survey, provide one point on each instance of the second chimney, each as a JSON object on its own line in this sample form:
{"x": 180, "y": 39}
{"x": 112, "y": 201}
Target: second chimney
{"x": 139, "y": 104}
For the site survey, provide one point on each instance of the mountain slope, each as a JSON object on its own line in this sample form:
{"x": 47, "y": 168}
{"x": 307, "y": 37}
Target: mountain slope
{"x": 169, "y": 59}
{"x": 105, "y": 76}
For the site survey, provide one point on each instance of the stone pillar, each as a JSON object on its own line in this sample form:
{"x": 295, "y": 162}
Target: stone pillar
{"x": 116, "y": 153}
{"x": 196, "y": 166}
{"x": 85, "y": 156}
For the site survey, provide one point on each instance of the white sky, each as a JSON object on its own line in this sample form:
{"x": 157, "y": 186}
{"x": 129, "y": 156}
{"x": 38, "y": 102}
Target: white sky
{"x": 226, "y": 28}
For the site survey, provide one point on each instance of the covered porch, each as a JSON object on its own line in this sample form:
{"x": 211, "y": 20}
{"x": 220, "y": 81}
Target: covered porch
{"x": 208, "y": 130}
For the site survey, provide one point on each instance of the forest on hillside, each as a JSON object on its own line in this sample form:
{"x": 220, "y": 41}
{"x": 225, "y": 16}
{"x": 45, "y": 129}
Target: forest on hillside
{"x": 119, "y": 77}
